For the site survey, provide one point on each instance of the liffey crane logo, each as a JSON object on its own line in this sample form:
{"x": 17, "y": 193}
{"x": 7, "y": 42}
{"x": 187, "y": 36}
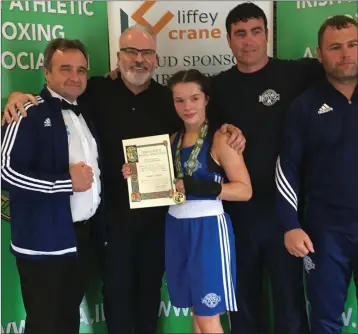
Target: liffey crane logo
{"x": 138, "y": 16}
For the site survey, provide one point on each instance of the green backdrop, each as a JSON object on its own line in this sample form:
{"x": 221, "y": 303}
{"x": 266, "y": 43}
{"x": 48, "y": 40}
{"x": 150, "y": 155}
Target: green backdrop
{"x": 298, "y": 23}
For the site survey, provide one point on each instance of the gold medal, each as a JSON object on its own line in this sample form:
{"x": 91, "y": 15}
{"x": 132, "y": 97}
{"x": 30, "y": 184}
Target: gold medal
{"x": 178, "y": 197}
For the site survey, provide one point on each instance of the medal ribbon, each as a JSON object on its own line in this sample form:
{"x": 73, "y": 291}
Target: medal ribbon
{"x": 193, "y": 154}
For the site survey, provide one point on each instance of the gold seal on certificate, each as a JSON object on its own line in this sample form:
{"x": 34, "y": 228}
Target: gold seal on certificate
{"x": 151, "y": 182}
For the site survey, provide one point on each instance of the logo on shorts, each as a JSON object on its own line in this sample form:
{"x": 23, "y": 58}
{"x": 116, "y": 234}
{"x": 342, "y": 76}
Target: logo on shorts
{"x": 308, "y": 263}
{"x": 269, "y": 97}
{"x": 211, "y": 300}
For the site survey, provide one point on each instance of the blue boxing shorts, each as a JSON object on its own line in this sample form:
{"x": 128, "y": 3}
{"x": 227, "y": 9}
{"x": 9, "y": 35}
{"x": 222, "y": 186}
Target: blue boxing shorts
{"x": 200, "y": 257}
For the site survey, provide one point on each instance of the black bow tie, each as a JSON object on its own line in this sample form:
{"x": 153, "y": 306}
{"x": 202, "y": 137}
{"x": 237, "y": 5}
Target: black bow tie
{"x": 75, "y": 108}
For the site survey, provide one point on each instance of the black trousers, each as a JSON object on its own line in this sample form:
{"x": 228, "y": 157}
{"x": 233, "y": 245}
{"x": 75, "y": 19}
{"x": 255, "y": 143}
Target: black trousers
{"x": 134, "y": 267}
{"x": 52, "y": 289}
{"x": 256, "y": 251}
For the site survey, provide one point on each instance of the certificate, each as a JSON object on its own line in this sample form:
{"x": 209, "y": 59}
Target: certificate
{"x": 152, "y": 175}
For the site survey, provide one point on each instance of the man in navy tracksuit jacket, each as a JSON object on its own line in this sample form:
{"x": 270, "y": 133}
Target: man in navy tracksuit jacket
{"x": 54, "y": 193}
{"x": 319, "y": 155}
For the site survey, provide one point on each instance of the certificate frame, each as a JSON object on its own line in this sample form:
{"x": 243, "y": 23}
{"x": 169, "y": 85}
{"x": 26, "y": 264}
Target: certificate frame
{"x": 151, "y": 183}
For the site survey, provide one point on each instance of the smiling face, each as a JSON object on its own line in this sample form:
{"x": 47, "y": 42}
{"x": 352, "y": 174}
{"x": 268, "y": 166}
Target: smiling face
{"x": 67, "y": 73}
{"x": 338, "y": 53}
{"x": 137, "y": 59}
{"x": 190, "y": 102}
{"x": 248, "y": 42}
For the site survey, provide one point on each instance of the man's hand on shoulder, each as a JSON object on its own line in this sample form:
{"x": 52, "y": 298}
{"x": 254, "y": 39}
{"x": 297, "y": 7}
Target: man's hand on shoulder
{"x": 113, "y": 74}
{"x": 236, "y": 139}
{"x": 16, "y": 103}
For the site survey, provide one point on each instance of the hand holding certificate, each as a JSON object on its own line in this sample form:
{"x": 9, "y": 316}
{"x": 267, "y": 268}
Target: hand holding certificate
{"x": 152, "y": 175}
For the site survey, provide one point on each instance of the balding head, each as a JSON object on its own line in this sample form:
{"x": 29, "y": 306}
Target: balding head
{"x": 142, "y": 36}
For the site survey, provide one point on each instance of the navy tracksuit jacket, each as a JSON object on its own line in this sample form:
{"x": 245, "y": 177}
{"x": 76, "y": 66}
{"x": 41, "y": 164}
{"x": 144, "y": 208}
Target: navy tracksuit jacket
{"x": 35, "y": 171}
{"x": 319, "y": 155}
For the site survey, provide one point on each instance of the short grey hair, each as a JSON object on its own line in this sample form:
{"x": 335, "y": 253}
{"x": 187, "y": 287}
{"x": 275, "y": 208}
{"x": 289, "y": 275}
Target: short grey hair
{"x": 62, "y": 44}
{"x": 140, "y": 27}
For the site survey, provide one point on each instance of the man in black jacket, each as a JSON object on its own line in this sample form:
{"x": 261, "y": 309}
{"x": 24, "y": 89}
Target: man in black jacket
{"x": 254, "y": 95}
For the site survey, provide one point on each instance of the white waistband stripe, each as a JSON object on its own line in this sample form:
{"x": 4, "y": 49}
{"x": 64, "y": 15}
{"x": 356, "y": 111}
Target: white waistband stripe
{"x": 34, "y": 252}
{"x": 196, "y": 209}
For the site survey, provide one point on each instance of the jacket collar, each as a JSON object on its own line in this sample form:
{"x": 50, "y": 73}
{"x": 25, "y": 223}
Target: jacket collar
{"x": 51, "y": 96}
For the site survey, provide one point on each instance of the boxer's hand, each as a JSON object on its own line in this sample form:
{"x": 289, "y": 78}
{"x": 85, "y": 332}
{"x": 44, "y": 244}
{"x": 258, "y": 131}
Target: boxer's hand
{"x": 179, "y": 185}
{"x": 126, "y": 171}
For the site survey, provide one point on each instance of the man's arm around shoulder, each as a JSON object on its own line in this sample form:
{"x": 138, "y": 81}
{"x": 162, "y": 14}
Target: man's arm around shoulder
{"x": 310, "y": 70}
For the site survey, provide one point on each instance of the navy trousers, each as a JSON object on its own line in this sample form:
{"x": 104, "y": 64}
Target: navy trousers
{"x": 328, "y": 273}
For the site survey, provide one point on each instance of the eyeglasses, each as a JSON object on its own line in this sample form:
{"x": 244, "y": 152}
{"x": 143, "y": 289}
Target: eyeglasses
{"x": 133, "y": 52}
